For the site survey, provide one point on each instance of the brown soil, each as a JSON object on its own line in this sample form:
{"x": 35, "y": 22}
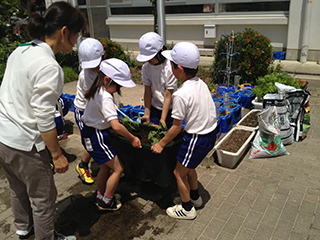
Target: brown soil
{"x": 235, "y": 140}
{"x": 142, "y": 134}
{"x": 251, "y": 120}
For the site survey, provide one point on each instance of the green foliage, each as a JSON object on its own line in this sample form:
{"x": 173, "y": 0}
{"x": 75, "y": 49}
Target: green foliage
{"x": 255, "y": 56}
{"x": 156, "y": 135}
{"x": 206, "y": 75}
{"x": 114, "y": 50}
{"x": 5, "y": 51}
{"x": 266, "y": 84}
{"x": 68, "y": 59}
{"x": 131, "y": 126}
{"x": 70, "y": 74}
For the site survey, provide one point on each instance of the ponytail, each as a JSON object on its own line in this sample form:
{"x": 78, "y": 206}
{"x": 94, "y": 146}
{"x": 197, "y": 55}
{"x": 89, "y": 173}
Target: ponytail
{"x": 58, "y": 15}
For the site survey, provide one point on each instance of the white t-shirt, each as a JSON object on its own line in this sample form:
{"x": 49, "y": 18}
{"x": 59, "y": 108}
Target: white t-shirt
{"x": 100, "y": 110}
{"x": 193, "y": 102}
{"x": 85, "y": 81}
{"x": 160, "y": 78}
{"x": 32, "y": 83}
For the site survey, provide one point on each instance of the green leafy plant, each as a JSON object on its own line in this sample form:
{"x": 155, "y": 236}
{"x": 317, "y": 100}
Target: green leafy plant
{"x": 68, "y": 59}
{"x": 70, "y": 74}
{"x": 115, "y": 50}
{"x": 156, "y": 135}
{"x": 131, "y": 126}
{"x": 254, "y": 60}
{"x": 266, "y": 84}
{"x": 5, "y": 51}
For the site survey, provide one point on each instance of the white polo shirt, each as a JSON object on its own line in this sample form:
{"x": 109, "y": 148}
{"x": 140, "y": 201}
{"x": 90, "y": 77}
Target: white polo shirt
{"x": 85, "y": 81}
{"x": 100, "y": 110}
{"x": 32, "y": 83}
{"x": 160, "y": 78}
{"x": 193, "y": 102}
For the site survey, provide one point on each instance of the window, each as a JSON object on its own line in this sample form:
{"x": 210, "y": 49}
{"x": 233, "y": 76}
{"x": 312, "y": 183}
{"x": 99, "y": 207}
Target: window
{"x": 254, "y": 7}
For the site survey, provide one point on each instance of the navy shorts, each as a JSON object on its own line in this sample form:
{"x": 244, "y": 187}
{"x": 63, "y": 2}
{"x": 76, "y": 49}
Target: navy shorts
{"x": 77, "y": 115}
{"x": 195, "y": 148}
{"x": 98, "y": 144}
{"x": 155, "y": 116}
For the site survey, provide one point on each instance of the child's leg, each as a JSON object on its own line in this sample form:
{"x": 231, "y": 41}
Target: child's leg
{"x": 181, "y": 173}
{"x": 102, "y": 177}
{"x": 112, "y": 183}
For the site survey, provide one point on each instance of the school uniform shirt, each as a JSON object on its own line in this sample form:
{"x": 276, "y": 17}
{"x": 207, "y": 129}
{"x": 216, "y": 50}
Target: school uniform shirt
{"x": 193, "y": 102}
{"x": 32, "y": 83}
{"x": 100, "y": 110}
{"x": 160, "y": 78}
{"x": 85, "y": 81}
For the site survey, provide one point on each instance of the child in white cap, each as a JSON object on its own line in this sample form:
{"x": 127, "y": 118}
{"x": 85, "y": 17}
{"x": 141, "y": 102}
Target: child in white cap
{"x": 193, "y": 102}
{"x": 101, "y": 114}
{"x": 91, "y": 52}
{"x": 158, "y": 80}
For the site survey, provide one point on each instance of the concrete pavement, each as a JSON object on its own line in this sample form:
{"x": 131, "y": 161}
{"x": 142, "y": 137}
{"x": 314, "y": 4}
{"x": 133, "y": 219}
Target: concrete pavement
{"x": 269, "y": 198}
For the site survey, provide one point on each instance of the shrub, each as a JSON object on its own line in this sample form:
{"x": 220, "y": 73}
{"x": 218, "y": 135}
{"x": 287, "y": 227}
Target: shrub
{"x": 206, "y": 75}
{"x": 5, "y": 51}
{"x": 254, "y": 60}
{"x": 68, "y": 59}
{"x": 114, "y": 50}
{"x": 70, "y": 74}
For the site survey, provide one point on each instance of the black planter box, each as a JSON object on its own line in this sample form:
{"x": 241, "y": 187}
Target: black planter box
{"x": 145, "y": 164}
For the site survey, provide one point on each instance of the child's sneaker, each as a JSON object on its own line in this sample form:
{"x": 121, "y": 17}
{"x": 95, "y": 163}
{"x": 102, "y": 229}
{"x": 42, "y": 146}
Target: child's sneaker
{"x": 179, "y": 212}
{"x": 99, "y": 197}
{"x": 113, "y": 206}
{"x": 84, "y": 175}
{"x": 196, "y": 203}
{"x": 25, "y": 234}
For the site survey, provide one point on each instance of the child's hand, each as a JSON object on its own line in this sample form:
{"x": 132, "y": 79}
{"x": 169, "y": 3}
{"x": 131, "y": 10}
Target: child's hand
{"x": 145, "y": 120}
{"x": 136, "y": 142}
{"x": 162, "y": 123}
{"x": 157, "y": 148}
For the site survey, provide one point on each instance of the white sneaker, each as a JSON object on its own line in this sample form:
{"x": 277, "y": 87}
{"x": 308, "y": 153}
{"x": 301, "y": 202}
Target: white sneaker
{"x": 196, "y": 203}
{"x": 178, "y": 211}
{"x": 62, "y": 237}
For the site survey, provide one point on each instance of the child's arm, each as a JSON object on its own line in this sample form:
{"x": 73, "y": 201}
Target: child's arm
{"x": 172, "y": 133}
{"x": 147, "y": 105}
{"x": 166, "y": 106}
{"x": 120, "y": 129}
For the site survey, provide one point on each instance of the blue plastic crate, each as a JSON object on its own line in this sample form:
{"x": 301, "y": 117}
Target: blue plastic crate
{"x": 136, "y": 110}
{"x": 68, "y": 99}
{"x": 218, "y": 129}
{"x": 222, "y": 88}
{"x": 236, "y": 114}
{"x": 246, "y": 97}
{"x": 126, "y": 109}
{"x": 279, "y": 55}
{"x": 226, "y": 122}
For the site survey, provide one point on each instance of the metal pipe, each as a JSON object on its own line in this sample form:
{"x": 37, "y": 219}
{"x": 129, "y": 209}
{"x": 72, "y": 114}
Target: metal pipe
{"x": 305, "y": 30}
{"x": 161, "y": 20}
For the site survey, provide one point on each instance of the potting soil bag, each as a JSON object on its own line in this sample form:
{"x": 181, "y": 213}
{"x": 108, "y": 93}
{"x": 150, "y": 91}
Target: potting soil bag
{"x": 280, "y": 102}
{"x": 297, "y": 99}
{"x": 267, "y": 142}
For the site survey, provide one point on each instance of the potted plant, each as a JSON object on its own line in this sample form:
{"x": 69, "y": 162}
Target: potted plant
{"x": 250, "y": 120}
{"x": 142, "y": 162}
{"x": 232, "y": 146}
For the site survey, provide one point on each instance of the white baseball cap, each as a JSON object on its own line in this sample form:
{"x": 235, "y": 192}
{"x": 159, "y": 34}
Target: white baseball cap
{"x": 185, "y": 54}
{"x": 90, "y": 51}
{"x": 118, "y": 71}
{"x": 150, "y": 44}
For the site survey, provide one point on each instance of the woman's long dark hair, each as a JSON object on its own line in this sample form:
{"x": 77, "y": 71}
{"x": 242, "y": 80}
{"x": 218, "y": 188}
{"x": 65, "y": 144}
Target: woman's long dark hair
{"x": 59, "y": 14}
{"x": 99, "y": 83}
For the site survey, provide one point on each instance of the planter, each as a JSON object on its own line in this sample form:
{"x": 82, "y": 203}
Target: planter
{"x": 143, "y": 163}
{"x": 246, "y": 97}
{"x": 225, "y": 122}
{"x": 242, "y": 122}
{"x": 229, "y": 159}
{"x": 256, "y": 104}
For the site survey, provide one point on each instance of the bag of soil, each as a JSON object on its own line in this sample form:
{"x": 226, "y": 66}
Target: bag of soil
{"x": 280, "y": 102}
{"x": 267, "y": 142}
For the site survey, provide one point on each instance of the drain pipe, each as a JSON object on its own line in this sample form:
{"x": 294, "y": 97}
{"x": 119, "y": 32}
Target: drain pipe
{"x": 305, "y": 30}
{"x": 161, "y": 20}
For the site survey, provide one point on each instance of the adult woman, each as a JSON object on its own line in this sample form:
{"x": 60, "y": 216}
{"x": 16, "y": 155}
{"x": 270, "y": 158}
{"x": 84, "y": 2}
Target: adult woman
{"x": 32, "y": 83}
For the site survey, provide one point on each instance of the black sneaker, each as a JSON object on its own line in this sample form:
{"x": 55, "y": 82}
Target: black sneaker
{"x": 113, "y": 206}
